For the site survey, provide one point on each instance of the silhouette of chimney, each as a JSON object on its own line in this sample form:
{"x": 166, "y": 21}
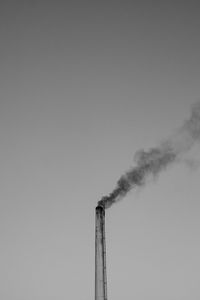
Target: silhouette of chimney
{"x": 100, "y": 255}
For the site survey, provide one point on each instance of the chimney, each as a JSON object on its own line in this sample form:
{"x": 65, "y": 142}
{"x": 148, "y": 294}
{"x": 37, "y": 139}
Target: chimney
{"x": 100, "y": 255}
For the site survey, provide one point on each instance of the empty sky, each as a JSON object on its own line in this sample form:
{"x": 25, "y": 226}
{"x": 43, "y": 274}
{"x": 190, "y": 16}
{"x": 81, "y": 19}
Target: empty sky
{"x": 83, "y": 86}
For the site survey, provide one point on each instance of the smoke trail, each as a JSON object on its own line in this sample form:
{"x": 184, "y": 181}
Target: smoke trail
{"x": 156, "y": 159}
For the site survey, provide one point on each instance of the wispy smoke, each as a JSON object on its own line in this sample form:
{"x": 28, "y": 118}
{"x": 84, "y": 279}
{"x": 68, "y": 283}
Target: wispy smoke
{"x": 156, "y": 159}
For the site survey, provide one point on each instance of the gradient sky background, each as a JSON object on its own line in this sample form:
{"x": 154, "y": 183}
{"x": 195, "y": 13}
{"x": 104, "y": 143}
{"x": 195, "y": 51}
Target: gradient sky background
{"x": 83, "y": 86}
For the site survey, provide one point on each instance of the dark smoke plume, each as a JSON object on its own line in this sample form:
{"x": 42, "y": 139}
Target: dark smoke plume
{"x": 156, "y": 159}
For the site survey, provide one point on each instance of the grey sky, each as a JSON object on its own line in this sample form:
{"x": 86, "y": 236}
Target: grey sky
{"x": 83, "y": 86}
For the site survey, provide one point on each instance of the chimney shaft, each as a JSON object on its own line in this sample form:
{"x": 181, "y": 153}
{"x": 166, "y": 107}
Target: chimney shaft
{"x": 100, "y": 256}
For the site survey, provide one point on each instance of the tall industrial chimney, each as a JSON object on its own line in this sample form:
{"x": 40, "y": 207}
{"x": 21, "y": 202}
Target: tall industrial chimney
{"x": 100, "y": 255}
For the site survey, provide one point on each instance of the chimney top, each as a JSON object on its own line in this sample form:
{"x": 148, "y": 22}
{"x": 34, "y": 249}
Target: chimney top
{"x": 100, "y": 207}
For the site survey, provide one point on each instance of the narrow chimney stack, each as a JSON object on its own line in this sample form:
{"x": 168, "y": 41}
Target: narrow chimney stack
{"x": 100, "y": 255}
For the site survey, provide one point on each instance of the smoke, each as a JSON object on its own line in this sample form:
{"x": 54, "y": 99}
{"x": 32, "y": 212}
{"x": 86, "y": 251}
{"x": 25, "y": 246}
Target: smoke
{"x": 156, "y": 159}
